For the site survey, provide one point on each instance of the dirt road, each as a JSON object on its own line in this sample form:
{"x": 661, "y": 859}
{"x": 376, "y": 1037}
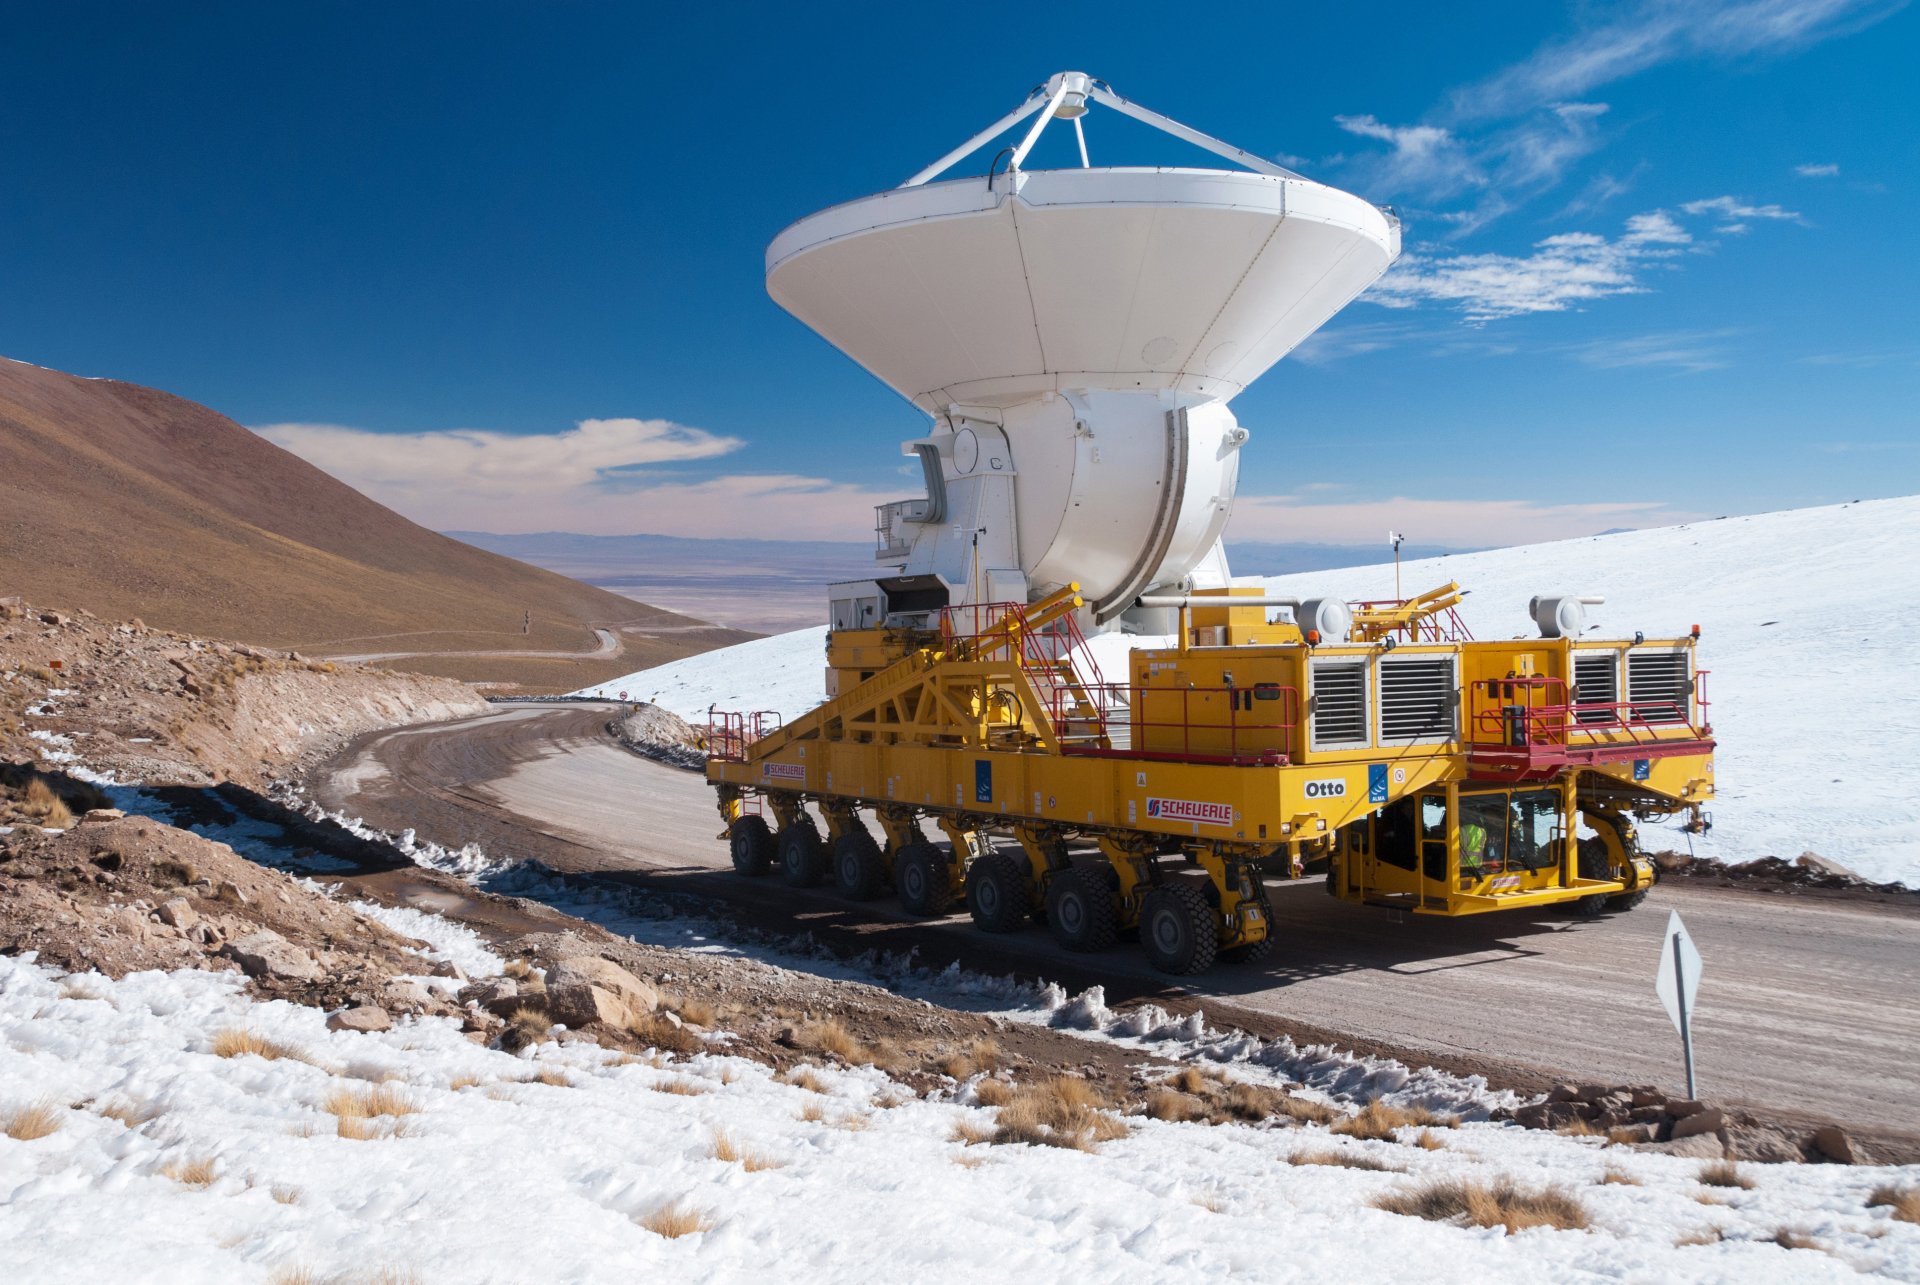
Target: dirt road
{"x": 1808, "y": 1007}
{"x": 607, "y": 644}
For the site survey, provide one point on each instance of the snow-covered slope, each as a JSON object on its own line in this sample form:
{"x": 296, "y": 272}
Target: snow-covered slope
{"x": 557, "y": 1166}
{"x": 1807, "y": 632}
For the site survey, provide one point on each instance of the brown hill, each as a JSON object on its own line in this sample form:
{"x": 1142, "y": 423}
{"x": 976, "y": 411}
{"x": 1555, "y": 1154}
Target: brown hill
{"x": 127, "y": 501}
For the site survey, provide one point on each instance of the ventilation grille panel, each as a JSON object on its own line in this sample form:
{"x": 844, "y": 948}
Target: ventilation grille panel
{"x": 1416, "y": 700}
{"x": 1658, "y": 685}
{"x": 1339, "y": 705}
{"x": 1597, "y": 675}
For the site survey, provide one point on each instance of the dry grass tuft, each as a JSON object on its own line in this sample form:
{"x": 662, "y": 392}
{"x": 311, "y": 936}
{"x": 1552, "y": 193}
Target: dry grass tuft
{"x": 1904, "y": 1201}
{"x": 1621, "y": 1136}
{"x": 293, "y": 1275}
{"x": 173, "y": 870}
{"x": 1065, "y": 1111}
{"x": 831, "y": 1037}
{"x": 24, "y": 1124}
{"x": 1342, "y": 1159}
{"x": 552, "y": 1077}
{"x": 1787, "y": 1238}
{"x": 675, "y": 1219}
{"x": 969, "y": 1159}
{"x": 130, "y": 1114}
{"x": 656, "y": 1031}
{"x": 969, "y": 1134}
{"x": 727, "y": 1150}
{"x": 460, "y": 1082}
{"x": 1577, "y": 1128}
{"x": 1618, "y": 1178}
{"x": 812, "y": 1113}
{"x": 519, "y": 969}
{"x": 1189, "y": 1080}
{"x": 803, "y": 1077}
{"x": 1724, "y": 1173}
{"x": 365, "y": 1114}
{"x": 1377, "y": 1121}
{"x": 1174, "y": 1106}
{"x": 1428, "y": 1140}
{"x": 680, "y": 1086}
{"x": 1496, "y": 1204}
{"x": 192, "y": 1173}
{"x": 1705, "y": 1236}
{"x": 993, "y": 1093}
{"x": 526, "y": 1025}
{"x": 237, "y": 1041}
{"x": 43, "y": 803}
{"x": 853, "y": 1122}
{"x": 696, "y": 1011}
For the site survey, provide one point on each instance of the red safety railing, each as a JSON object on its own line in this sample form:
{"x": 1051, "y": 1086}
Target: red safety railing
{"x": 1528, "y": 726}
{"x": 1054, "y": 656}
{"x": 1242, "y": 726}
{"x": 729, "y": 732}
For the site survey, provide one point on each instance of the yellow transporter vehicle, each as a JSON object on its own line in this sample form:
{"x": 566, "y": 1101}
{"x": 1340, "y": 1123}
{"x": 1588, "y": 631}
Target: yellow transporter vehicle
{"x": 1425, "y": 770}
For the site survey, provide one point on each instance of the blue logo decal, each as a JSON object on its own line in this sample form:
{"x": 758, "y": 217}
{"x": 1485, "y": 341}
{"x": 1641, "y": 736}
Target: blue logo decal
{"x": 982, "y": 781}
{"x": 1642, "y": 769}
{"x": 1376, "y": 782}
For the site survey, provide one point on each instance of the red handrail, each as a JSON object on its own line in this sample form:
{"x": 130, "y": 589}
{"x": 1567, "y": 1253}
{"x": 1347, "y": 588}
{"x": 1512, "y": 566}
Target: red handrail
{"x": 730, "y": 732}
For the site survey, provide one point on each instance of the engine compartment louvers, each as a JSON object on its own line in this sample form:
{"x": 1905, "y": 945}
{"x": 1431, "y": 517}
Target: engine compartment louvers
{"x": 1659, "y": 684}
{"x": 1417, "y": 699}
{"x": 1597, "y": 675}
{"x": 1339, "y": 705}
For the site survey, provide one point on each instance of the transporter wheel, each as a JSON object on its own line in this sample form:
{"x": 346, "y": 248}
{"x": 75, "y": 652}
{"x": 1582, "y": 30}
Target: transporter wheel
{"x": 1178, "y": 930}
{"x": 803, "y": 857}
{"x": 1626, "y": 900}
{"x": 997, "y": 893}
{"x": 1080, "y": 910}
{"x": 1593, "y": 865}
{"x": 752, "y": 844}
{"x": 1254, "y": 951}
{"x": 920, "y": 877}
{"x": 859, "y": 871}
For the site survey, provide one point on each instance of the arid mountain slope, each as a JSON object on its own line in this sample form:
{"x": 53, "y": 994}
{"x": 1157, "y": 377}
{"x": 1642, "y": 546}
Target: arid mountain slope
{"x": 132, "y": 502}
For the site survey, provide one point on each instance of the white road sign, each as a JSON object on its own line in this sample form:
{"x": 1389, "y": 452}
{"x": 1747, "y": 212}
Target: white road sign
{"x": 1677, "y": 984}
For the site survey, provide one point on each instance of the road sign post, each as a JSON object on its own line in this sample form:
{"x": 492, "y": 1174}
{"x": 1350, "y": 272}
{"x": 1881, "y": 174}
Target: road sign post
{"x": 1678, "y": 985}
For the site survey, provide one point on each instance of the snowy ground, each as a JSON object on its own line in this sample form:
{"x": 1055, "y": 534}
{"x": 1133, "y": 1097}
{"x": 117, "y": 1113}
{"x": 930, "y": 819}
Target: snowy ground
{"x": 492, "y": 1175}
{"x": 1808, "y": 645}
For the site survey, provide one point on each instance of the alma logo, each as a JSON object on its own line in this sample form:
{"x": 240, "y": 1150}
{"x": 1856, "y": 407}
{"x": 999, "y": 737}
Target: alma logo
{"x": 1189, "y": 810}
{"x": 1334, "y": 789}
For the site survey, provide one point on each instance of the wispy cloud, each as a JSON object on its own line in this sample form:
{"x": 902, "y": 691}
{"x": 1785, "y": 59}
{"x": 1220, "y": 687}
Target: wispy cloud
{"x": 1453, "y": 523}
{"x": 1734, "y": 214}
{"x": 1615, "y": 44}
{"x": 1828, "y": 170}
{"x": 601, "y": 477}
{"x": 1683, "y": 350}
{"x": 1503, "y": 140}
{"x": 1563, "y": 272}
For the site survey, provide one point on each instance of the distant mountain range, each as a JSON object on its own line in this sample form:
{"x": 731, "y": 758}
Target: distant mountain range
{"x": 127, "y": 501}
{"x": 770, "y": 586}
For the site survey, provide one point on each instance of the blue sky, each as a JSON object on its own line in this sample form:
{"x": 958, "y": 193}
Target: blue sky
{"x": 501, "y": 265}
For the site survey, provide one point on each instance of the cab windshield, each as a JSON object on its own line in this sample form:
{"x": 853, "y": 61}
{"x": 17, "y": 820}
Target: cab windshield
{"x": 1508, "y": 831}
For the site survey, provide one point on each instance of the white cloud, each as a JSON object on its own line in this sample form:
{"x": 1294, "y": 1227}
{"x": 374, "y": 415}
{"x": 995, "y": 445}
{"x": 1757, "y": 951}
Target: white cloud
{"x": 1624, "y": 43}
{"x": 1421, "y": 158}
{"x": 598, "y": 478}
{"x": 1455, "y": 523}
{"x": 1734, "y": 213}
{"x": 1563, "y": 272}
{"x": 1685, "y": 350}
{"x": 1828, "y": 170}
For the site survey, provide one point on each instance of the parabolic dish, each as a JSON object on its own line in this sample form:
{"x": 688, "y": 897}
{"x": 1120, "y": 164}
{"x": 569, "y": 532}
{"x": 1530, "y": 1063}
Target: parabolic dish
{"x": 978, "y": 291}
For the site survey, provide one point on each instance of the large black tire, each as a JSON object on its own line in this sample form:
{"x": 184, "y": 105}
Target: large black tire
{"x": 859, "y": 871}
{"x": 1593, "y": 865}
{"x": 1081, "y": 910}
{"x": 1254, "y": 951}
{"x": 752, "y": 844}
{"x": 1626, "y": 900}
{"x": 920, "y": 877}
{"x": 997, "y": 895}
{"x": 803, "y": 857}
{"x": 1178, "y": 930}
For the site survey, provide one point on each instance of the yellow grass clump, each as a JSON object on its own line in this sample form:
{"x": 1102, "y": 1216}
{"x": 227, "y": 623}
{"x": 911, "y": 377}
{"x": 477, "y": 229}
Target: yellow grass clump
{"x": 993, "y": 1093}
{"x": 680, "y": 1086}
{"x": 1343, "y": 1159}
{"x": 237, "y": 1041}
{"x": 191, "y": 1173}
{"x": 675, "y": 1219}
{"x": 1618, "y": 1178}
{"x": 1377, "y": 1121}
{"x": 1903, "y": 1201}
{"x": 1724, "y": 1173}
{"x": 1065, "y": 1111}
{"x": 1487, "y": 1204}
{"x": 25, "y": 1124}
